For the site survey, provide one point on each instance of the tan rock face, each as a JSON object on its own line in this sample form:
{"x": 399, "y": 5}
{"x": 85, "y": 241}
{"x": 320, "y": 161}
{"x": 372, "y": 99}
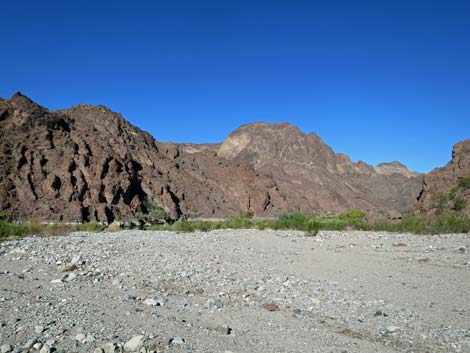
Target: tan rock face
{"x": 88, "y": 163}
{"x": 395, "y": 168}
{"x": 448, "y": 187}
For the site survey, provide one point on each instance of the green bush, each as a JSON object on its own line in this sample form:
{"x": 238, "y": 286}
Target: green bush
{"x": 5, "y": 216}
{"x": 351, "y": 217}
{"x": 459, "y": 203}
{"x": 247, "y": 214}
{"x": 464, "y": 183}
{"x": 151, "y": 213}
{"x": 441, "y": 202}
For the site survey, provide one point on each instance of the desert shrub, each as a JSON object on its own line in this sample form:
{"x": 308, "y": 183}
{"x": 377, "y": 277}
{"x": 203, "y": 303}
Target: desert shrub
{"x": 184, "y": 226}
{"x": 441, "y": 202}
{"x": 247, "y": 214}
{"x": 352, "y": 216}
{"x": 312, "y": 227}
{"x": 333, "y": 224}
{"x": 464, "y": 183}
{"x": 151, "y": 213}
{"x": 12, "y": 230}
{"x": 235, "y": 223}
{"x": 460, "y": 203}
{"x": 294, "y": 220}
{"x": 5, "y": 216}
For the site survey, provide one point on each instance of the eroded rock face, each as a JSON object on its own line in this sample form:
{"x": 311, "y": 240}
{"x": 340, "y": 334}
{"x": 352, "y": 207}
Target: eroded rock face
{"x": 313, "y": 177}
{"x": 88, "y": 163}
{"x": 444, "y": 187}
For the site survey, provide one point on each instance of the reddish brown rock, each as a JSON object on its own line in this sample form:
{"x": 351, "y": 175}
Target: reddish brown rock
{"x": 88, "y": 163}
{"x": 448, "y": 188}
{"x": 313, "y": 177}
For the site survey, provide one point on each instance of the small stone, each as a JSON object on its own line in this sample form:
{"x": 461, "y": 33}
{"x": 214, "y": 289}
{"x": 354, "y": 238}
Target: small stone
{"x": 131, "y": 296}
{"x": 37, "y": 346}
{"x": 150, "y": 302}
{"x": 71, "y": 268}
{"x": 379, "y": 313}
{"x": 297, "y": 311}
{"x": 462, "y": 250}
{"x": 70, "y": 277}
{"x": 223, "y": 330}
{"x": 98, "y": 350}
{"x": 177, "y": 340}
{"x": 80, "y": 337}
{"x": 6, "y": 348}
{"x": 108, "y": 347}
{"x": 271, "y": 307}
{"x": 134, "y": 343}
{"x": 391, "y": 329}
{"x": 89, "y": 339}
{"x": 30, "y": 343}
{"x": 39, "y": 329}
{"x": 209, "y": 303}
{"x": 56, "y": 281}
{"x": 45, "y": 349}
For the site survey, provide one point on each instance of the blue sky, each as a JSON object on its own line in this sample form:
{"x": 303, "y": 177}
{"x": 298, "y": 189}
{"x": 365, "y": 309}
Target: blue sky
{"x": 378, "y": 80}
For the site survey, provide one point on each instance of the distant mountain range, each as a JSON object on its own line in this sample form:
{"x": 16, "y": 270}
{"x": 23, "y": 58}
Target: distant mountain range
{"x": 88, "y": 163}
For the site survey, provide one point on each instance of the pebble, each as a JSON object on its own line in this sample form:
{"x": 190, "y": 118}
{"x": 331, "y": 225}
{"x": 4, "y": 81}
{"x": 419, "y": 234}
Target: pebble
{"x": 39, "y": 329}
{"x": 134, "y": 343}
{"x": 223, "y": 330}
{"x": 391, "y": 329}
{"x": 6, "y": 348}
{"x": 70, "y": 277}
{"x": 30, "y": 343}
{"x": 45, "y": 349}
{"x": 37, "y": 346}
{"x": 177, "y": 340}
{"x": 80, "y": 338}
{"x": 271, "y": 307}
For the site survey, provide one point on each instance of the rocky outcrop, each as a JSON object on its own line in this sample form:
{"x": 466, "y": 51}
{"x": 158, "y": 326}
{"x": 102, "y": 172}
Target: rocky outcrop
{"x": 313, "y": 177}
{"x": 88, "y": 163}
{"x": 448, "y": 188}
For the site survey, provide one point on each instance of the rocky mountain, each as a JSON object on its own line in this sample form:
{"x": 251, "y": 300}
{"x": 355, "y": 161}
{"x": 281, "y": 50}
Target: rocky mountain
{"x": 395, "y": 168}
{"x": 88, "y": 163}
{"x": 309, "y": 172}
{"x": 448, "y": 188}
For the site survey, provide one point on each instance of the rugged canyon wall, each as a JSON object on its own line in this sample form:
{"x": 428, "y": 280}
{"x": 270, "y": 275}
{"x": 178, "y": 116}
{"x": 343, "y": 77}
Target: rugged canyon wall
{"x": 448, "y": 188}
{"x": 87, "y": 163}
{"x": 311, "y": 173}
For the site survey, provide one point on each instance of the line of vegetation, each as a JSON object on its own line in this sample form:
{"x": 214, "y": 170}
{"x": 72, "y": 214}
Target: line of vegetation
{"x": 448, "y": 222}
{"x": 8, "y": 229}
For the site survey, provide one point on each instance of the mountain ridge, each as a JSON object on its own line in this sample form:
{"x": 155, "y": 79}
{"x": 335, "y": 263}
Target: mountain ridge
{"x": 88, "y": 163}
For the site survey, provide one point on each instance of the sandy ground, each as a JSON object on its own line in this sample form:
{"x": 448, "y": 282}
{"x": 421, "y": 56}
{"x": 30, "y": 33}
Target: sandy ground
{"x": 236, "y": 291}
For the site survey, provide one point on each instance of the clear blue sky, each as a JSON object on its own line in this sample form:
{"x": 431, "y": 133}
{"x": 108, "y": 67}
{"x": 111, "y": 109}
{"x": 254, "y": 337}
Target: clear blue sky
{"x": 378, "y": 80}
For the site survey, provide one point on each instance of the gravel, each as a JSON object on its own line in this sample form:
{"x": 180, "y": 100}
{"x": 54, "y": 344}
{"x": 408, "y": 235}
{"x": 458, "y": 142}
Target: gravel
{"x": 235, "y": 291}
